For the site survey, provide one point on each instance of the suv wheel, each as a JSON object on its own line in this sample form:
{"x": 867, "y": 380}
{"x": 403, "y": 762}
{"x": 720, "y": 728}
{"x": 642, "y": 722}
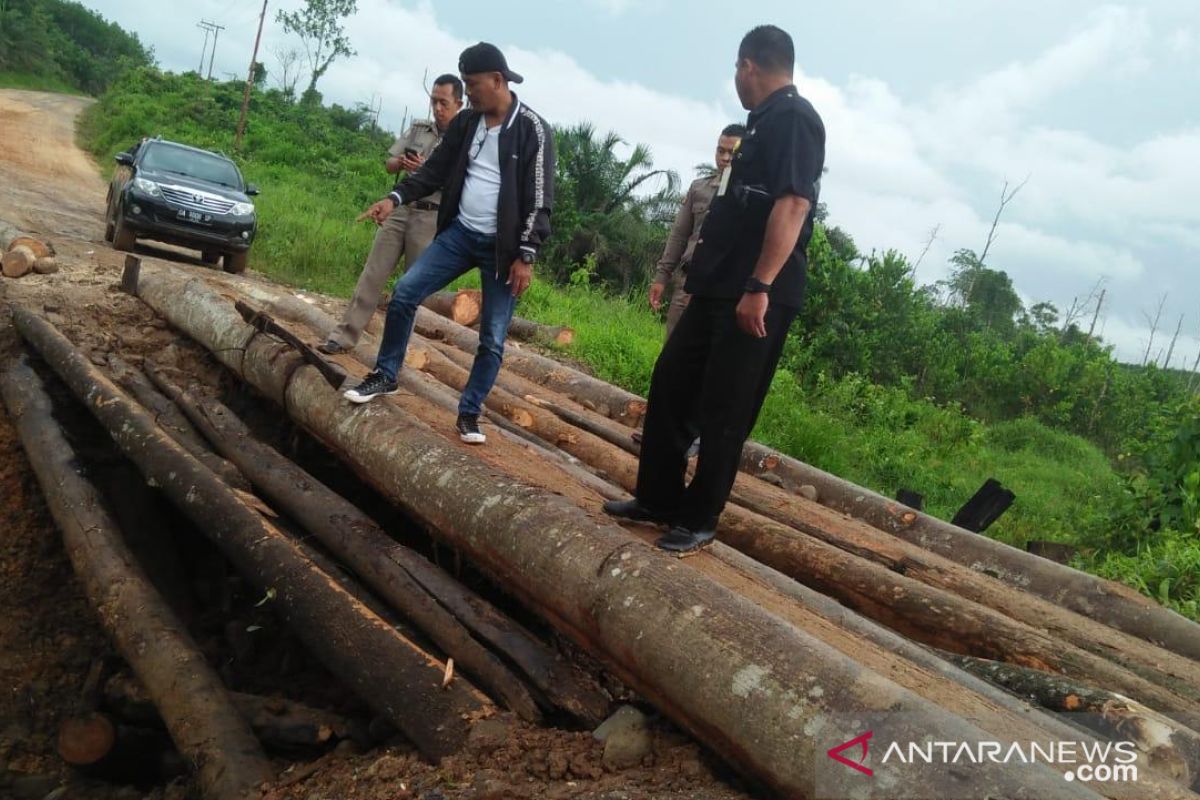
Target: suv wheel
{"x": 123, "y": 236}
{"x": 109, "y": 230}
{"x": 236, "y": 262}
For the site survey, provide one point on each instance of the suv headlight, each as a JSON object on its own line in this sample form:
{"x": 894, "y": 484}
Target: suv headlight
{"x": 242, "y": 209}
{"x": 149, "y": 187}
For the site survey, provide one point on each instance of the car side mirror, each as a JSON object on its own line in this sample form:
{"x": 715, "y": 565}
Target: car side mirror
{"x": 251, "y": 189}
{"x": 124, "y": 159}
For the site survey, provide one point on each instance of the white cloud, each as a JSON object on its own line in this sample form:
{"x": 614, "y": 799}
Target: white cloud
{"x": 1181, "y": 42}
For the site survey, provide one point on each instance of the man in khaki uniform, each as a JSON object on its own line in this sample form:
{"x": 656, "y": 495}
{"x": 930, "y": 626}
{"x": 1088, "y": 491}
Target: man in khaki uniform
{"x": 408, "y": 230}
{"x": 686, "y": 231}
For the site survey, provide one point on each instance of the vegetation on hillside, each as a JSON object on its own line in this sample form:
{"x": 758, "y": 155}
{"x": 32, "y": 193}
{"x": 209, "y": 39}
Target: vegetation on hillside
{"x": 62, "y": 46}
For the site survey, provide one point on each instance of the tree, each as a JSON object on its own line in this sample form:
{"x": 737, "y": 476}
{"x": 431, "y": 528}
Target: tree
{"x": 612, "y": 208}
{"x": 289, "y": 72}
{"x": 318, "y": 24}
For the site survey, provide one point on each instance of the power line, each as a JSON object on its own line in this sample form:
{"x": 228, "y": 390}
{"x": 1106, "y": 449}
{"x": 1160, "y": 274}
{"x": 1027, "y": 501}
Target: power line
{"x": 216, "y": 31}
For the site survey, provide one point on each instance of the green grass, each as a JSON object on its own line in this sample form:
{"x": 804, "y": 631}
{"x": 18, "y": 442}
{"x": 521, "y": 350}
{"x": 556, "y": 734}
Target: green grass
{"x": 38, "y": 83}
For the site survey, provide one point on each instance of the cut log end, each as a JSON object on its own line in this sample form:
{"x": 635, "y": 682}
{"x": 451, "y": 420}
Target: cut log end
{"x": 86, "y": 740}
{"x": 465, "y": 307}
{"x": 18, "y": 262}
{"x": 565, "y": 336}
{"x": 40, "y": 249}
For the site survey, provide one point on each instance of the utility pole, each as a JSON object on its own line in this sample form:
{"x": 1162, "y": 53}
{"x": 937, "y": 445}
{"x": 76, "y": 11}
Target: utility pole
{"x": 1175, "y": 338}
{"x": 216, "y": 31}
{"x": 1099, "y": 305}
{"x": 204, "y": 27}
{"x": 237, "y": 140}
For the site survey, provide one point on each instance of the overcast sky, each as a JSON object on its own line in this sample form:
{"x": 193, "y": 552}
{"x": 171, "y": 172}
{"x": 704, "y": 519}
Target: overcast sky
{"x": 929, "y": 106}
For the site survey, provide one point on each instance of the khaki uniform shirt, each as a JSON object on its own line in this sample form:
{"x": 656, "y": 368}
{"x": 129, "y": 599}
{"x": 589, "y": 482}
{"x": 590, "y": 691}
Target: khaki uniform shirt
{"x": 422, "y": 135}
{"x": 681, "y": 242}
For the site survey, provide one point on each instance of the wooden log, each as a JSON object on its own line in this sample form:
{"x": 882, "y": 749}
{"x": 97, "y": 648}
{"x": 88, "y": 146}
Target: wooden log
{"x": 649, "y": 615}
{"x": 997, "y": 710}
{"x": 40, "y": 249}
{"x": 228, "y": 761}
{"x": 1146, "y": 667}
{"x": 279, "y": 723}
{"x": 462, "y": 306}
{"x": 172, "y": 420}
{"x": 102, "y": 748}
{"x": 45, "y": 266}
{"x": 356, "y": 539}
{"x": 387, "y": 670}
{"x": 608, "y": 400}
{"x": 1173, "y": 749}
{"x": 530, "y": 331}
{"x": 929, "y": 612}
{"x": 932, "y": 615}
{"x": 17, "y": 262}
{"x": 1106, "y": 601}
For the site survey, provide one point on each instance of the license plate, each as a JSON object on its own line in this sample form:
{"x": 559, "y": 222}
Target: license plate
{"x": 193, "y": 216}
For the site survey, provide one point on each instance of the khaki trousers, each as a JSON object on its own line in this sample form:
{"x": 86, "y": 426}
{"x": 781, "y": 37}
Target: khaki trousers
{"x": 679, "y": 301}
{"x": 407, "y": 231}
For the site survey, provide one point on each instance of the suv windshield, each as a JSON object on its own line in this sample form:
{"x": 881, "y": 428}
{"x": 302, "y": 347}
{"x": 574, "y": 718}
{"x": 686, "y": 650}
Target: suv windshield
{"x": 164, "y": 158}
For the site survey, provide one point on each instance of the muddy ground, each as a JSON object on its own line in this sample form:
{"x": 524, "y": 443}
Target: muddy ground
{"x": 49, "y": 638}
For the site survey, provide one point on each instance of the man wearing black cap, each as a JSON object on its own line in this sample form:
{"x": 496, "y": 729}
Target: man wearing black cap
{"x": 495, "y": 169}
{"x": 746, "y": 279}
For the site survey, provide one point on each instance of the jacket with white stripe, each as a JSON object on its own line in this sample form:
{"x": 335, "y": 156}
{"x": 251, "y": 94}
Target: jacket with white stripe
{"x": 526, "y": 179}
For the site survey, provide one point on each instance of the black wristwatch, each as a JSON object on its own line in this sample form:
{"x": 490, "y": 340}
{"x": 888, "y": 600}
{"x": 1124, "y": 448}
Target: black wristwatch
{"x": 528, "y": 256}
{"x": 755, "y": 286}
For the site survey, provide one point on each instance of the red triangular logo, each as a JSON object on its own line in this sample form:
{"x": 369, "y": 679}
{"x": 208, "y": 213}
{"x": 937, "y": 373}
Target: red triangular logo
{"x": 836, "y": 753}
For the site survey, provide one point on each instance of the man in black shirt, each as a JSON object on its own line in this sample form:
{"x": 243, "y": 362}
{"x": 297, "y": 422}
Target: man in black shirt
{"x": 747, "y": 280}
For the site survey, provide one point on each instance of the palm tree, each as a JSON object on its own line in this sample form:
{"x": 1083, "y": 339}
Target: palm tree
{"x": 601, "y": 181}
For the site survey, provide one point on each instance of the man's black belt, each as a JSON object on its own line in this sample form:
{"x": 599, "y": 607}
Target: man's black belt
{"x": 424, "y": 205}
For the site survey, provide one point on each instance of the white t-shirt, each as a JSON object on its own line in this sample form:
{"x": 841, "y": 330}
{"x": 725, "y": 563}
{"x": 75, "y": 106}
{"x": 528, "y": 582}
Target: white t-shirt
{"x": 481, "y": 189}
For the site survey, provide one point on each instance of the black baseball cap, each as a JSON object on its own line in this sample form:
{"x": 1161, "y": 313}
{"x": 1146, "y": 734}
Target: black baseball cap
{"x": 484, "y": 57}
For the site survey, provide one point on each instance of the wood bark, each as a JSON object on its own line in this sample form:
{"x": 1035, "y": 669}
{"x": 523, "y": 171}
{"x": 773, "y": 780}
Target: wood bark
{"x": 608, "y": 400}
{"x": 172, "y": 420}
{"x": 644, "y": 612}
{"x": 387, "y": 670}
{"x": 993, "y": 708}
{"x": 1111, "y": 603}
{"x": 406, "y": 581}
{"x": 529, "y": 331}
{"x": 1173, "y": 749}
{"x": 1106, "y": 601}
{"x": 462, "y": 306}
{"x": 228, "y": 761}
{"x": 18, "y": 262}
{"x": 279, "y": 723}
{"x": 972, "y": 606}
{"x": 931, "y": 615}
{"x": 932, "y": 611}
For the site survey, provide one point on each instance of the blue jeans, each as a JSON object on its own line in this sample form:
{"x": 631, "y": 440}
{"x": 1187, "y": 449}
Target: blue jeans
{"x": 452, "y": 253}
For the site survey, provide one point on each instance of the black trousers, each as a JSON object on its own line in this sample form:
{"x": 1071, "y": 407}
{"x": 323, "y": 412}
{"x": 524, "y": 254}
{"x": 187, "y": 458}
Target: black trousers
{"x": 710, "y": 380}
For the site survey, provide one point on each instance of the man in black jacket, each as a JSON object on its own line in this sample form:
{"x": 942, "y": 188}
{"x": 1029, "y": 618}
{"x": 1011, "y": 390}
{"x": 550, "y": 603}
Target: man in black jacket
{"x": 495, "y": 169}
{"x": 747, "y": 281}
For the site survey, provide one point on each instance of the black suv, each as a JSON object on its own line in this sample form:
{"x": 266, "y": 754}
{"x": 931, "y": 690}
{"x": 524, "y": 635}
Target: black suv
{"x": 182, "y": 195}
